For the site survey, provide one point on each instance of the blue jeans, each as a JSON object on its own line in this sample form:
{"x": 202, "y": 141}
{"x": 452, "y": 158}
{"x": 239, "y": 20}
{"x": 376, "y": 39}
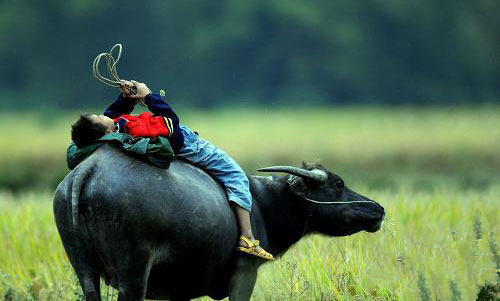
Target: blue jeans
{"x": 218, "y": 164}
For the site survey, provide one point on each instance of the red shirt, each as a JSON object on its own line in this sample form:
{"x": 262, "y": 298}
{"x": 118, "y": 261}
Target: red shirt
{"x": 146, "y": 125}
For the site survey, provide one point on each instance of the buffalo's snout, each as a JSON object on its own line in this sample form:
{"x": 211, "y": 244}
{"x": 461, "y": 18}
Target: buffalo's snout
{"x": 371, "y": 211}
{"x": 377, "y": 215}
{"x": 368, "y": 214}
{"x": 378, "y": 210}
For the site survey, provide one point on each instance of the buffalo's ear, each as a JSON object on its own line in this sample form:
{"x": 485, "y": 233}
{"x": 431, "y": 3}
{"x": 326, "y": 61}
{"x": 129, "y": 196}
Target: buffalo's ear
{"x": 298, "y": 185}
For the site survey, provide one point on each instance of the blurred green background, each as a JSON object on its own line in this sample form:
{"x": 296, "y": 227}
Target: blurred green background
{"x": 254, "y": 53}
{"x": 426, "y": 70}
{"x": 400, "y": 98}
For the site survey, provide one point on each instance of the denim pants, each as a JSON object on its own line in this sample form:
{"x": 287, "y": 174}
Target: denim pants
{"x": 218, "y": 164}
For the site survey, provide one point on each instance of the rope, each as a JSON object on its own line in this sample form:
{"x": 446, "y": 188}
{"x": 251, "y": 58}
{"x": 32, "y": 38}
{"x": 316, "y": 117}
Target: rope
{"x": 111, "y": 62}
{"x": 309, "y": 212}
{"x": 330, "y": 203}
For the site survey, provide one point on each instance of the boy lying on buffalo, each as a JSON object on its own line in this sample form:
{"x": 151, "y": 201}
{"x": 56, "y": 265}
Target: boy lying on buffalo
{"x": 185, "y": 143}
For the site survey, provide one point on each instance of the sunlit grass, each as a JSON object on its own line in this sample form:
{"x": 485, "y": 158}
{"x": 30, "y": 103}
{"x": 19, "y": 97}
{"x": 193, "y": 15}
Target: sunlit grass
{"x": 343, "y": 133}
{"x": 32, "y": 260}
{"x": 460, "y": 142}
{"x": 435, "y": 170}
{"x": 428, "y": 234}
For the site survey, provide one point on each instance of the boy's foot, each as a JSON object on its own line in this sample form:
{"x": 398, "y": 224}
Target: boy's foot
{"x": 253, "y": 248}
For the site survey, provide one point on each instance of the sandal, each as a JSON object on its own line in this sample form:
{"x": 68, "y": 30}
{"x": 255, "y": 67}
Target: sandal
{"x": 251, "y": 248}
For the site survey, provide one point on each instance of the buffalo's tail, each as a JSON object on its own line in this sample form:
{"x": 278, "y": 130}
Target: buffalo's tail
{"x": 82, "y": 174}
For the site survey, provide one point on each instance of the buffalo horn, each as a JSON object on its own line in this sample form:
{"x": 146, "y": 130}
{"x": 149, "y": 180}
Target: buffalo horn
{"x": 315, "y": 174}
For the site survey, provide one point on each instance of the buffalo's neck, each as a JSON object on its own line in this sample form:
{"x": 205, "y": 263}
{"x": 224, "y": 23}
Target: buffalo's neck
{"x": 282, "y": 215}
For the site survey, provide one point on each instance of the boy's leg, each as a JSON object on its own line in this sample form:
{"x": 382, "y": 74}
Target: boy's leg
{"x": 243, "y": 222}
{"x": 221, "y": 166}
{"x": 243, "y": 217}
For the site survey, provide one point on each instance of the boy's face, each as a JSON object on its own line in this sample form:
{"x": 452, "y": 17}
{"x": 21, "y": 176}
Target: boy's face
{"x": 105, "y": 121}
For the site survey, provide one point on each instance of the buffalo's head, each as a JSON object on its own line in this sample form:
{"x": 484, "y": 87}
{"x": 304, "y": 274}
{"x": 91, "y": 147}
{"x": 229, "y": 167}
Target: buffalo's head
{"x": 330, "y": 207}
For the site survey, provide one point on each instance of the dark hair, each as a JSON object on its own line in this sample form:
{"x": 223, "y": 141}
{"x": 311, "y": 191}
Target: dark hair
{"x": 85, "y": 131}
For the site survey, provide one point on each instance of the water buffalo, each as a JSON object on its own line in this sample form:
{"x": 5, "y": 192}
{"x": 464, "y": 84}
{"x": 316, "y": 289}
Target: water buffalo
{"x": 171, "y": 234}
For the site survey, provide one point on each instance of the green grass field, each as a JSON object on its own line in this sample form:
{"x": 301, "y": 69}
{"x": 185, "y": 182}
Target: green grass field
{"x": 425, "y": 145}
{"x": 428, "y": 239}
{"x": 436, "y": 171}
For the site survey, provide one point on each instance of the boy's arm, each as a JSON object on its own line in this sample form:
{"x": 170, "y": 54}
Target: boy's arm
{"x": 120, "y": 106}
{"x": 125, "y": 105}
{"x": 159, "y": 107}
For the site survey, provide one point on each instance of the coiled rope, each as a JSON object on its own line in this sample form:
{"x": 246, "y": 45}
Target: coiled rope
{"x": 111, "y": 62}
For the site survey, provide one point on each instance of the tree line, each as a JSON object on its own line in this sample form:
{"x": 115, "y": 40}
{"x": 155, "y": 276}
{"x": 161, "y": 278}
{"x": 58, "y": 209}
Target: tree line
{"x": 265, "y": 53}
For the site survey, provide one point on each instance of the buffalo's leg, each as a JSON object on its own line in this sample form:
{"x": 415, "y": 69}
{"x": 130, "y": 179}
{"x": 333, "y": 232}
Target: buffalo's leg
{"x": 133, "y": 282}
{"x": 90, "y": 282}
{"x": 80, "y": 254}
{"x": 85, "y": 267}
{"x": 243, "y": 280}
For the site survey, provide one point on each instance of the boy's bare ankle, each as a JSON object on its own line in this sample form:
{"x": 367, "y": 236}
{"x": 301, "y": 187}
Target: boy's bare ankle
{"x": 243, "y": 243}
{"x": 248, "y": 236}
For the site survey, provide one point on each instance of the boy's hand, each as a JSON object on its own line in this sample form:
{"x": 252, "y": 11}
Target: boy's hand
{"x": 141, "y": 88}
{"x": 126, "y": 88}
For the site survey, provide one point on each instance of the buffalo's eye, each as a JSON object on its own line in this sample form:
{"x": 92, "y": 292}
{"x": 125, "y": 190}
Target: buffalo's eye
{"x": 339, "y": 184}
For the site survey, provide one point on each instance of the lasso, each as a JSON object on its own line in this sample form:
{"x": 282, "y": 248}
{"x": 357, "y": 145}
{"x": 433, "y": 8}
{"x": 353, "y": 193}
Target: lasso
{"x": 111, "y": 62}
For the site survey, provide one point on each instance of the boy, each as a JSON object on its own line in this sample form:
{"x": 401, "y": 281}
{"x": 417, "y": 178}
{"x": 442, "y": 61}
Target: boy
{"x": 184, "y": 142}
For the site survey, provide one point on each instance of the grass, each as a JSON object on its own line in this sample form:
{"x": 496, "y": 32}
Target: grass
{"x": 435, "y": 170}
{"x": 428, "y": 241}
{"x": 425, "y": 144}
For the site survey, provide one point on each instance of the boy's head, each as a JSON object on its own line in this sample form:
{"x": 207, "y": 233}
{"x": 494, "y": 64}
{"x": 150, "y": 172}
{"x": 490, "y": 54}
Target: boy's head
{"x": 90, "y": 127}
